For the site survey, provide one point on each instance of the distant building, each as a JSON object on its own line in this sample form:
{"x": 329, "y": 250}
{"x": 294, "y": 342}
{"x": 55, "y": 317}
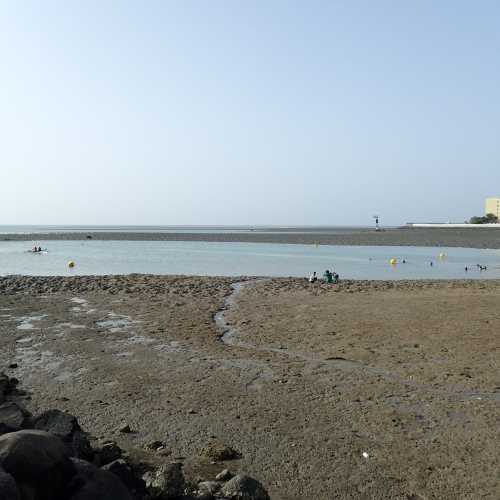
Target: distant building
{"x": 493, "y": 206}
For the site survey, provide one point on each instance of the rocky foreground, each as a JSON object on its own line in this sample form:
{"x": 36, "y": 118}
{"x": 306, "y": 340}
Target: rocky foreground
{"x": 49, "y": 457}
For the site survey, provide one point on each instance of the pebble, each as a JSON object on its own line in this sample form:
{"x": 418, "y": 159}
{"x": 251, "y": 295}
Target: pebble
{"x": 224, "y": 475}
{"x": 155, "y": 445}
{"x": 124, "y": 429}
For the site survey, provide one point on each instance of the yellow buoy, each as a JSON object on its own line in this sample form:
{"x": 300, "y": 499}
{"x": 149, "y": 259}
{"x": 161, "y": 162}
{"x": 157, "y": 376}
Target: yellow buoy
{"x": 393, "y": 261}
{"x": 71, "y": 264}
{"x": 442, "y": 255}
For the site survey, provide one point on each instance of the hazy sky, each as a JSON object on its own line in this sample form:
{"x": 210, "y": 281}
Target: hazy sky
{"x": 248, "y": 112}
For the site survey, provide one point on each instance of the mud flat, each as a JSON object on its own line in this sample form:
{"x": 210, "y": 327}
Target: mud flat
{"x": 406, "y": 236}
{"x": 365, "y": 390}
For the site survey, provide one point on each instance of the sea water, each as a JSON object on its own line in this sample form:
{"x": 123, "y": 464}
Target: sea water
{"x": 245, "y": 259}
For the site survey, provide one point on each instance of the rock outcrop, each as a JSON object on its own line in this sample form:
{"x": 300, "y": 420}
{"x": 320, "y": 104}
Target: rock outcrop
{"x": 49, "y": 457}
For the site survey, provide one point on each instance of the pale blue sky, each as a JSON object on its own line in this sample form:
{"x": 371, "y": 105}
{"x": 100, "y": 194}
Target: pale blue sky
{"x": 255, "y": 112}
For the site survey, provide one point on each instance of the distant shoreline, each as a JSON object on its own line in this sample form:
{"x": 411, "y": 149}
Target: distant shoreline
{"x": 405, "y": 236}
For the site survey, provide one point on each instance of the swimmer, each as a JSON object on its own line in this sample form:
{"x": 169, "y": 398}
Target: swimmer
{"x": 313, "y": 278}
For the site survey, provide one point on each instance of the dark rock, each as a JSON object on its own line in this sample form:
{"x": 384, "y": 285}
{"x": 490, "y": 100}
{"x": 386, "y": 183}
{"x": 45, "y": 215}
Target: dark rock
{"x": 108, "y": 452}
{"x": 37, "y": 460}
{"x": 91, "y": 483}
{"x": 243, "y": 487}
{"x": 122, "y": 470}
{"x": 8, "y": 487}
{"x": 13, "y": 365}
{"x": 4, "y": 383}
{"x": 12, "y": 417}
{"x": 167, "y": 482}
{"x": 65, "y": 426}
{"x": 7, "y": 386}
{"x": 219, "y": 452}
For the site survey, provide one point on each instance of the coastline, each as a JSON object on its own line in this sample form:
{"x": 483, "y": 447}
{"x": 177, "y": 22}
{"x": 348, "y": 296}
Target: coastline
{"x": 420, "y": 237}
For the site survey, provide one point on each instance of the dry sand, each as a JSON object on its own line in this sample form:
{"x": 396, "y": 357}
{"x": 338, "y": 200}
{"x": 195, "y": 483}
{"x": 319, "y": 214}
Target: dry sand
{"x": 366, "y": 390}
{"x": 473, "y": 237}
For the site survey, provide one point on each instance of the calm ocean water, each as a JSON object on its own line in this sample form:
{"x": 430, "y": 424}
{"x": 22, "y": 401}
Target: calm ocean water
{"x": 235, "y": 259}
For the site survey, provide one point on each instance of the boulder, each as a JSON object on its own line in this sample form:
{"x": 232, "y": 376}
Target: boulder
{"x": 8, "y": 487}
{"x": 66, "y": 427}
{"x": 122, "y": 470}
{"x": 91, "y": 483}
{"x": 12, "y": 417}
{"x": 37, "y": 460}
{"x": 243, "y": 487}
{"x": 167, "y": 482}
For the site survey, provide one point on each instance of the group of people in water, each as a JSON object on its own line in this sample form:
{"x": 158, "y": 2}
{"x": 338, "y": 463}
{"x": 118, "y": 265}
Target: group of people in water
{"x": 328, "y": 277}
{"x": 479, "y": 266}
{"x": 333, "y": 277}
{"x": 36, "y": 249}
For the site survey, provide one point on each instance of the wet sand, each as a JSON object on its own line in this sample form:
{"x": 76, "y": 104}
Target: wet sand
{"x": 365, "y": 390}
{"x": 427, "y": 237}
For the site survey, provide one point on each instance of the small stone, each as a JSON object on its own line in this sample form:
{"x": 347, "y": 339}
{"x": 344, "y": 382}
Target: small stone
{"x": 13, "y": 365}
{"x": 191, "y": 411}
{"x": 155, "y": 445}
{"x": 209, "y": 487}
{"x": 224, "y": 475}
{"x": 219, "y": 452}
{"x": 166, "y": 482}
{"x": 244, "y": 487}
{"x": 125, "y": 429}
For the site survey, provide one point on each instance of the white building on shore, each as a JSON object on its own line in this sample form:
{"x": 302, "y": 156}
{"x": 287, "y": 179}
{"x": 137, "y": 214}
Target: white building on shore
{"x": 492, "y": 206}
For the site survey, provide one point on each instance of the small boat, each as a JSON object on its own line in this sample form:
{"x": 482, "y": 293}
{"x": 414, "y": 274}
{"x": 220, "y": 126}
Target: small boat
{"x": 43, "y": 250}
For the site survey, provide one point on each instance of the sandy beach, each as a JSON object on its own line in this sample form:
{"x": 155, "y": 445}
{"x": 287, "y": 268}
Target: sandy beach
{"x": 405, "y": 236}
{"x": 365, "y": 390}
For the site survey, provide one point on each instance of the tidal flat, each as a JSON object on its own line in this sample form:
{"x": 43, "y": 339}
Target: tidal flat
{"x": 368, "y": 389}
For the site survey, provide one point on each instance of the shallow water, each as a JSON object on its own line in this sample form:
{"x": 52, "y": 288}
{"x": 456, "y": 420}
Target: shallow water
{"x": 252, "y": 259}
